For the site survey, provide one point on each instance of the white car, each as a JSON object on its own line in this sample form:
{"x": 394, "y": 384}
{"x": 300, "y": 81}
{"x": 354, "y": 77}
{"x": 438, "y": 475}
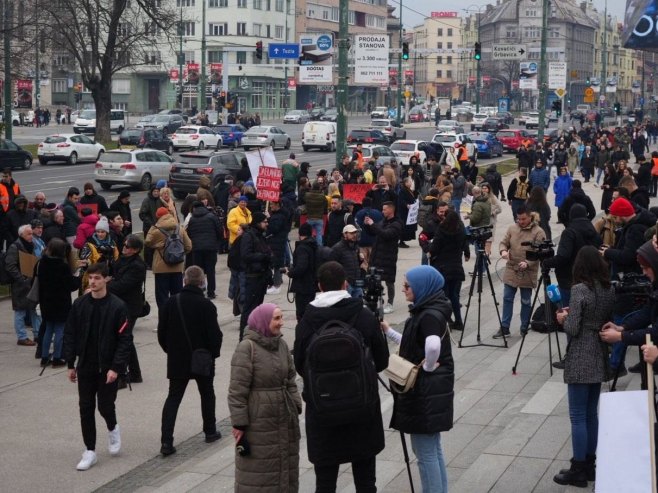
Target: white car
{"x": 297, "y": 116}
{"x": 449, "y": 126}
{"x": 71, "y": 148}
{"x": 196, "y": 136}
{"x": 478, "y": 121}
{"x": 404, "y": 149}
{"x": 379, "y": 112}
{"x": 532, "y": 120}
{"x": 15, "y": 118}
{"x": 138, "y": 168}
{"x": 450, "y": 139}
{"x": 265, "y": 136}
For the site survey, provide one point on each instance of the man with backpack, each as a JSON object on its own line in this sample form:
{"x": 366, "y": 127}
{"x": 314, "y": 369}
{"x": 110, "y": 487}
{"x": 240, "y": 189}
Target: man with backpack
{"x": 170, "y": 244}
{"x": 343, "y": 415}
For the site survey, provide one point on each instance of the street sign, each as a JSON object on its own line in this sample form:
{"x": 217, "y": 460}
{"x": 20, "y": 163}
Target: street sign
{"x": 588, "y": 99}
{"x": 602, "y": 98}
{"x": 528, "y": 75}
{"x": 371, "y": 58}
{"x": 508, "y": 52}
{"x": 589, "y": 92}
{"x": 283, "y": 50}
{"x": 557, "y": 75}
{"x": 560, "y": 92}
{"x": 407, "y": 94}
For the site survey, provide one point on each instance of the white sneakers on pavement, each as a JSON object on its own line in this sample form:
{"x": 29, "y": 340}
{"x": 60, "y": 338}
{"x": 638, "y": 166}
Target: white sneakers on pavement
{"x": 88, "y": 460}
{"x": 388, "y": 308}
{"x": 273, "y": 290}
{"x": 114, "y": 440}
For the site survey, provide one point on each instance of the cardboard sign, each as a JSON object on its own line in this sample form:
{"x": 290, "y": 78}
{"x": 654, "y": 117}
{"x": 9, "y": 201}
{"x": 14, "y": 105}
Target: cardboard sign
{"x": 356, "y": 192}
{"x": 260, "y": 157}
{"x": 268, "y": 183}
{"x": 26, "y": 262}
{"x": 93, "y": 207}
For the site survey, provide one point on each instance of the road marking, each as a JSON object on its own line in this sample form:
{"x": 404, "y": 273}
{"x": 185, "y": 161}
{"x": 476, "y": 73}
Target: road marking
{"x": 59, "y": 182}
{"x": 66, "y": 176}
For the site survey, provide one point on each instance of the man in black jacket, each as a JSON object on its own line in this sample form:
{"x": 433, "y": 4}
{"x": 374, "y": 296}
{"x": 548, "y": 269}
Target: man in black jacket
{"x": 346, "y": 253}
{"x": 205, "y": 232}
{"x": 18, "y": 216}
{"x": 380, "y": 193}
{"x": 637, "y": 195}
{"x": 358, "y": 442}
{"x": 576, "y": 196}
{"x": 303, "y": 270}
{"x": 256, "y": 260}
{"x": 188, "y": 322}
{"x": 122, "y": 206}
{"x": 277, "y": 237}
{"x": 336, "y": 220}
{"x": 98, "y": 335}
{"x": 127, "y": 282}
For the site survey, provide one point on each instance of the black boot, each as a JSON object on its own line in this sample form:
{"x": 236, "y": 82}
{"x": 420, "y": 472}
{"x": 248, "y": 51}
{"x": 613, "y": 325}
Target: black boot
{"x": 590, "y": 461}
{"x": 167, "y": 449}
{"x": 575, "y": 476}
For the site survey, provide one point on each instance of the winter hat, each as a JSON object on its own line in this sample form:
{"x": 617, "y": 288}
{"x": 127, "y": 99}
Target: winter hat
{"x": 306, "y": 230}
{"x": 161, "y": 184}
{"x": 577, "y": 211}
{"x": 124, "y": 194}
{"x": 260, "y": 318}
{"x": 233, "y": 190}
{"x": 258, "y": 217}
{"x": 243, "y": 198}
{"x": 102, "y": 225}
{"x": 162, "y": 211}
{"x": 647, "y": 256}
{"x": 622, "y": 208}
{"x": 424, "y": 281}
{"x": 249, "y": 183}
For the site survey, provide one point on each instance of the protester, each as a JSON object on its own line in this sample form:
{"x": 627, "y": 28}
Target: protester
{"x": 91, "y": 197}
{"x": 71, "y": 217}
{"x": 53, "y": 226}
{"x": 540, "y": 176}
{"x": 337, "y": 219}
{"x": 366, "y": 240}
{"x": 205, "y": 232}
{"x": 303, "y": 269}
{"x": 537, "y": 204}
{"x": 517, "y": 192}
{"x": 18, "y": 216}
{"x": 407, "y": 197}
{"x": 278, "y": 226}
{"x": 480, "y": 215}
{"x": 86, "y": 227}
{"x": 346, "y": 253}
{"x": 147, "y": 214}
{"x": 237, "y": 216}
{"x": 576, "y": 196}
{"x": 122, "y": 206}
{"x": 316, "y": 208}
{"x": 99, "y": 247}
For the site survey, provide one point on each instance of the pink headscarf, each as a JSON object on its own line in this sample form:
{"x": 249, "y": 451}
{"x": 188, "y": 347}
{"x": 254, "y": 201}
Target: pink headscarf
{"x": 260, "y": 318}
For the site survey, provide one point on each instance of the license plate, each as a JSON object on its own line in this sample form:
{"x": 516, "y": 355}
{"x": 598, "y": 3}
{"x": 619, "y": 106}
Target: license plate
{"x": 128, "y": 147}
{"x": 182, "y": 141}
{"x": 186, "y": 171}
{"x": 111, "y": 171}
{"x": 49, "y": 154}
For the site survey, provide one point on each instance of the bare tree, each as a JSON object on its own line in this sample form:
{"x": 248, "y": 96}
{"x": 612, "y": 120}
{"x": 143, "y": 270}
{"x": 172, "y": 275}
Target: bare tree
{"x": 108, "y": 36}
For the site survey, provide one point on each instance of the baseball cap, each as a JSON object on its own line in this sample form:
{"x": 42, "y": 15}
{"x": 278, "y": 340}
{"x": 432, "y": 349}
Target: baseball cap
{"x": 350, "y": 228}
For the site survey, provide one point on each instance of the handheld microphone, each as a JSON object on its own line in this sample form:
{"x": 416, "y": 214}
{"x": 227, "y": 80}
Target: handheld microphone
{"x": 553, "y": 293}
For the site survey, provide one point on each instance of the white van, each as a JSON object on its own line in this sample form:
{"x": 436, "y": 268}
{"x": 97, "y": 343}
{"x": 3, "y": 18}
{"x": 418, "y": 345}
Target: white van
{"x": 321, "y": 135}
{"x": 86, "y": 122}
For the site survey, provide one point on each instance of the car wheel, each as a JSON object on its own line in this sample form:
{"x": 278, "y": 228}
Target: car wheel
{"x": 202, "y": 146}
{"x": 287, "y": 146}
{"x": 179, "y": 195}
{"x": 175, "y": 148}
{"x": 305, "y": 148}
{"x": 27, "y": 163}
{"x": 145, "y": 182}
{"x": 273, "y": 145}
{"x": 246, "y": 148}
{"x": 105, "y": 186}
{"x": 218, "y": 146}
{"x": 43, "y": 161}
{"x": 100, "y": 155}
{"x": 170, "y": 149}
{"x": 73, "y": 158}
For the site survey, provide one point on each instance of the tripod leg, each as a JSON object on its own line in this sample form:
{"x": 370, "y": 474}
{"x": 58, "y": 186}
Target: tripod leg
{"x": 493, "y": 296}
{"x": 518, "y": 355}
{"x": 468, "y": 303}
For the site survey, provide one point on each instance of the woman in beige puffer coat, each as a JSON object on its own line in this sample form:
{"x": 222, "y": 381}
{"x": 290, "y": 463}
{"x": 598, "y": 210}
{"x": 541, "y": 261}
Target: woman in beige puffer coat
{"x": 265, "y": 404}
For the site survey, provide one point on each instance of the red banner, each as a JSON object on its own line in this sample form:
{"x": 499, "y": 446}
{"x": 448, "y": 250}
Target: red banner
{"x": 216, "y": 73}
{"x": 192, "y": 74}
{"x": 356, "y": 193}
{"x": 268, "y": 183}
{"x": 24, "y": 93}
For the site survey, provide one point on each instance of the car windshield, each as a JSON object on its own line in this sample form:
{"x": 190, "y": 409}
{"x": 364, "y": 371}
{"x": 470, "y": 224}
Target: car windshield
{"x": 381, "y": 108}
{"x": 116, "y": 157}
{"x": 360, "y": 133}
{"x": 54, "y": 140}
{"x": 88, "y": 114}
{"x": 161, "y": 118}
{"x": 187, "y": 131}
{"x": 403, "y": 146}
{"x": 223, "y": 128}
{"x": 381, "y": 123}
{"x": 147, "y": 118}
{"x": 448, "y": 123}
{"x": 131, "y": 132}
{"x": 444, "y": 138}
{"x": 295, "y": 112}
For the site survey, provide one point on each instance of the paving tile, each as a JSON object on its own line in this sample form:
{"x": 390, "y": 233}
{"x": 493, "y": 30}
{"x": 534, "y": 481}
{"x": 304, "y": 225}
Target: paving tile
{"x": 511, "y": 383}
{"x": 547, "y": 485}
{"x": 521, "y": 476}
{"x": 486, "y": 380}
{"x": 487, "y": 408}
{"x": 465, "y": 400}
{"x": 214, "y": 463}
{"x": 476, "y": 447}
{"x": 482, "y": 474}
{"x": 183, "y": 482}
{"x": 549, "y": 439}
{"x": 453, "y": 442}
{"x": 545, "y": 400}
{"x": 511, "y": 411}
{"x": 516, "y": 434}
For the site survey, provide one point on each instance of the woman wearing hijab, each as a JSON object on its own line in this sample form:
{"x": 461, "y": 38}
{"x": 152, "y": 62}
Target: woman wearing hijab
{"x": 426, "y": 410}
{"x": 264, "y": 403}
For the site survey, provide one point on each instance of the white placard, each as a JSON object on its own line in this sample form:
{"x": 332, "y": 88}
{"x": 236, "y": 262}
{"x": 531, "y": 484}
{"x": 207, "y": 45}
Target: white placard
{"x": 316, "y": 58}
{"x": 371, "y": 58}
{"x": 557, "y": 75}
{"x": 412, "y": 214}
{"x": 260, "y": 157}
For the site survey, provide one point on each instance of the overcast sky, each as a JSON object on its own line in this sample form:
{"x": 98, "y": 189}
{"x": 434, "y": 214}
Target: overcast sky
{"x": 414, "y": 11}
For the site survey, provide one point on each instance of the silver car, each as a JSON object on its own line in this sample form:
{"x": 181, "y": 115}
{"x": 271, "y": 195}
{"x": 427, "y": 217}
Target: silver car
{"x": 144, "y": 120}
{"x": 139, "y": 168}
{"x": 297, "y": 116}
{"x": 265, "y": 136}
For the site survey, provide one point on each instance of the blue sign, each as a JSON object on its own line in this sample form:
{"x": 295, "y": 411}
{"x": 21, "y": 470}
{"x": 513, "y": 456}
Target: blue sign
{"x": 324, "y": 42}
{"x": 282, "y": 50}
{"x": 503, "y": 104}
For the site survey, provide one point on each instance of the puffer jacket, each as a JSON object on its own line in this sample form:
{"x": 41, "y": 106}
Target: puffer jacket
{"x": 263, "y": 400}
{"x": 71, "y": 218}
{"x": 316, "y": 204}
{"x": 20, "y": 284}
{"x": 156, "y": 239}
{"x": 302, "y": 270}
{"x": 346, "y": 253}
{"x": 85, "y": 229}
{"x": 517, "y": 253}
{"x": 205, "y": 230}
{"x": 236, "y": 217}
{"x": 480, "y": 212}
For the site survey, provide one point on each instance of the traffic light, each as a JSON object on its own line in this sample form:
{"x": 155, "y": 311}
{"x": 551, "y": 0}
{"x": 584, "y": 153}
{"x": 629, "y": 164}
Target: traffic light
{"x": 588, "y": 82}
{"x": 405, "y": 51}
{"x": 259, "y": 50}
{"x": 557, "y": 107}
{"x": 477, "y": 54}
{"x": 617, "y": 109}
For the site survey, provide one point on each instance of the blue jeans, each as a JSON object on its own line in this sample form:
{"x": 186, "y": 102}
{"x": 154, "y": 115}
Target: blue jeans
{"x": 583, "y": 401}
{"x": 508, "y": 306}
{"x": 19, "y": 324}
{"x": 318, "y": 226}
{"x": 53, "y": 329}
{"x": 452, "y": 289}
{"x": 457, "y": 204}
{"x": 354, "y": 291}
{"x": 618, "y": 352}
{"x": 431, "y": 465}
{"x": 599, "y": 173}
{"x": 424, "y": 259}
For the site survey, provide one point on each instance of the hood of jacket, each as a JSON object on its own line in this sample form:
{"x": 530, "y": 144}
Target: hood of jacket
{"x": 644, "y": 217}
{"x": 438, "y": 301}
{"x": 200, "y": 211}
{"x": 167, "y": 222}
{"x": 335, "y": 305}
{"x": 204, "y": 182}
{"x": 91, "y": 219}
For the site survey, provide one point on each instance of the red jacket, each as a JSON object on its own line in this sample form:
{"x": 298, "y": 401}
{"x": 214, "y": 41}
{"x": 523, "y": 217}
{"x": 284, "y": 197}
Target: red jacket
{"x": 85, "y": 229}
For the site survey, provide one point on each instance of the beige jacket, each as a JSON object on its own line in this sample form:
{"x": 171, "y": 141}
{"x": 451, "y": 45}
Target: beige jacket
{"x": 516, "y": 235}
{"x": 156, "y": 239}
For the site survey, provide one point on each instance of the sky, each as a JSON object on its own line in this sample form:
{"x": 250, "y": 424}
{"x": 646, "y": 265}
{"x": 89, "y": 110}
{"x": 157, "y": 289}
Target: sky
{"x": 414, "y": 11}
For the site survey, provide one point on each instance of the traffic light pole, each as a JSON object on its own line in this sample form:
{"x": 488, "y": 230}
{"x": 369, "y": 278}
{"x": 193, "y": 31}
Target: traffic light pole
{"x": 201, "y": 100}
{"x": 7, "y": 47}
{"x": 181, "y": 57}
{"x": 399, "y": 98}
{"x": 341, "y": 92}
{"x": 542, "y": 74}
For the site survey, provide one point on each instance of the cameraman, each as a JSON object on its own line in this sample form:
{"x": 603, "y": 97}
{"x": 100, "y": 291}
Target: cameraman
{"x": 520, "y": 273}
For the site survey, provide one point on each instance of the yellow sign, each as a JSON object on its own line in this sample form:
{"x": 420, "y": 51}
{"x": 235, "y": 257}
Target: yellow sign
{"x": 588, "y": 99}
{"x": 560, "y": 92}
{"x": 589, "y": 92}
{"x": 407, "y": 94}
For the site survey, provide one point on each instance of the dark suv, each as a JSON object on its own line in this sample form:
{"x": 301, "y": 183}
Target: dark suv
{"x": 167, "y": 123}
{"x": 184, "y": 175}
{"x": 146, "y": 138}
{"x": 367, "y": 136}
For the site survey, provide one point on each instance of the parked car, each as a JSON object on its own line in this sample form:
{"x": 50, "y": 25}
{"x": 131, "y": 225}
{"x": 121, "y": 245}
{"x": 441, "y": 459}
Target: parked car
{"x": 379, "y": 112}
{"x": 523, "y": 118}
{"x": 512, "y": 139}
{"x": 494, "y": 124}
{"x": 145, "y": 138}
{"x": 173, "y": 111}
{"x": 405, "y": 149}
{"x": 478, "y": 120}
{"x": 296, "y": 116}
{"x": 316, "y": 114}
{"x": 143, "y": 120}
{"x": 213, "y": 117}
{"x": 86, "y": 122}
{"x": 389, "y": 128}
{"x": 450, "y": 126}
{"x": 367, "y": 136}
{"x": 384, "y": 152}
{"x": 264, "y": 136}
{"x": 330, "y": 115}
{"x": 231, "y": 134}
{"x": 167, "y": 123}
{"x": 319, "y": 135}
{"x": 450, "y": 139}
{"x": 14, "y": 156}
{"x": 15, "y": 118}
{"x": 196, "y": 136}
{"x": 184, "y": 175}
{"x": 138, "y": 168}
{"x": 506, "y": 116}
{"x": 487, "y": 144}
{"x": 532, "y": 120}
{"x": 418, "y": 115}
{"x": 71, "y": 148}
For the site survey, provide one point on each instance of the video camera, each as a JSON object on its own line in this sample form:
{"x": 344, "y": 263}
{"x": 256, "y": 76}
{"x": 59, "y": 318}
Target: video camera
{"x": 539, "y": 250}
{"x": 373, "y": 291}
{"x": 481, "y": 234}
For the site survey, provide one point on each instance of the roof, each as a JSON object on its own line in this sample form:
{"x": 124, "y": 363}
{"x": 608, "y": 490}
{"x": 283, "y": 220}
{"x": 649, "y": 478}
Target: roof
{"x": 566, "y": 10}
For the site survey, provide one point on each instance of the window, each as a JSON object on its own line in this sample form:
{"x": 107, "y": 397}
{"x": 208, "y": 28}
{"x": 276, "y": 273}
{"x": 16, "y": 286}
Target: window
{"x": 242, "y": 4}
{"x": 189, "y": 57}
{"x": 278, "y": 5}
{"x": 449, "y": 45}
{"x": 278, "y": 32}
{"x": 60, "y": 85}
{"x": 257, "y": 95}
{"x": 258, "y": 4}
{"x": 61, "y": 60}
{"x": 449, "y": 74}
{"x": 335, "y": 14}
{"x": 185, "y": 3}
{"x": 439, "y": 74}
{"x": 449, "y": 60}
{"x": 268, "y": 5}
{"x": 189, "y": 28}
{"x": 242, "y": 28}
{"x": 241, "y": 57}
{"x": 217, "y": 3}
{"x": 256, "y": 29}
{"x": 270, "y": 94}
{"x": 439, "y": 59}
{"x": 450, "y": 31}
{"x": 124, "y": 29}
{"x": 152, "y": 58}
{"x": 439, "y": 45}
{"x": 268, "y": 32}
{"x": 120, "y": 86}
{"x": 151, "y": 29}
{"x": 120, "y": 106}
{"x": 439, "y": 31}
{"x": 217, "y": 29}
{"x": 351, "y": 18}
{"x": 215, "y": 56}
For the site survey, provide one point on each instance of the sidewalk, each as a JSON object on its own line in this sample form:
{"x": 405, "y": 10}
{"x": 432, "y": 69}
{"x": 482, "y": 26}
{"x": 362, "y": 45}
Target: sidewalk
{"x": 511, "y": 432}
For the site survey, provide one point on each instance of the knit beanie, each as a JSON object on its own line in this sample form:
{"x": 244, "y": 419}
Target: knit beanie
{"x": 102, "y": 225}
{"x": 621, "y": 207}
{"x": 258, "y": 217}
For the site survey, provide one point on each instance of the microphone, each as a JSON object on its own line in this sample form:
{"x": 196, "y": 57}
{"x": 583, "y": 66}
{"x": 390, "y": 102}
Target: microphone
{"x": 553, "y": 293}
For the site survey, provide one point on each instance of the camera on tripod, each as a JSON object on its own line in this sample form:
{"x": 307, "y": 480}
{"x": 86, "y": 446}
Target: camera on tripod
{"x": 481, "y": 234}
{"x": 539, "y": 250}
{"x": 373, "y": 291}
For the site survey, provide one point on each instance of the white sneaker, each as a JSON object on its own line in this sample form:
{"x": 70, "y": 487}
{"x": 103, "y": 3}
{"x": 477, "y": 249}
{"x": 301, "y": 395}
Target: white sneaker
{"x": 273, "y": 290}
{"x": 88, "y": 460}
{"x": 388, "y": 308}
{"x": 114, "y": 439}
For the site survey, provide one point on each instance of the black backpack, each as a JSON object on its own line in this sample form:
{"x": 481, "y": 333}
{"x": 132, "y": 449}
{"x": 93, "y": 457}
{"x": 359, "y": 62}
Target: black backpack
{"x": 173, "y": 252}
{"x": 340, "y": 381}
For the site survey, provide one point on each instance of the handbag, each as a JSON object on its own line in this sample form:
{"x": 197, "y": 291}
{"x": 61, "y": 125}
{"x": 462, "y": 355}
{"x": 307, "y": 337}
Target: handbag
{"x": 402, "y": 373}
{"x": 146, "y": 306}
{"x": 201, "y": 363}
{"x": 33, "y": 294}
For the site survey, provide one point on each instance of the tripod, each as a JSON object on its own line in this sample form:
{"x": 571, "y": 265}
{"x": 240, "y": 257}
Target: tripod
{"x": 481, "y": 265}
{"x": 549, "y": 323}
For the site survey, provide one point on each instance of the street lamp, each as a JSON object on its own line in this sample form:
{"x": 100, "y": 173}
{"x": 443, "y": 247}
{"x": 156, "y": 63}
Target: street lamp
{"x": 477, "y": 55}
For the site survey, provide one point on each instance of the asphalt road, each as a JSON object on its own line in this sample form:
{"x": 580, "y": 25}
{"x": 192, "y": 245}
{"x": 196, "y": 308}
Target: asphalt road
{"x": 56, "y": 178}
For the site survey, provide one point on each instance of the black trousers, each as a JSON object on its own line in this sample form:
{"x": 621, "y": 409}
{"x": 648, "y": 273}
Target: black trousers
{"x": 255, "y": 288}
{"x": 206, "y": 259}
{"x": 90, "y": 388}
{"x": 302, "y": 300}
{"x": 177, "y": 388}
{"x": 133, "y": 363}
{"x": 364, "y": 473}
{"x": 167, "y": 284}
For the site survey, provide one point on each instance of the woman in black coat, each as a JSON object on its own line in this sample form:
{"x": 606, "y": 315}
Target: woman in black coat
{"x": 446, "y": 250}
{"x": 302, "y": 271}
{"x": 427, "y": 409}
{"x": 610, "y": 182}
{"x": 406, "y": 198}
{"x": 56, "y": 282}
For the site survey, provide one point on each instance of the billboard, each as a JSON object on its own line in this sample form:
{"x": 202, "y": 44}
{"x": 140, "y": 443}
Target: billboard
{"x": 640, "y": 25}
{"x": 317, "y": 57}
{"x": 371, "y": 58}
{"x": 528, "y": 75}
{"x": 24, "y": 93}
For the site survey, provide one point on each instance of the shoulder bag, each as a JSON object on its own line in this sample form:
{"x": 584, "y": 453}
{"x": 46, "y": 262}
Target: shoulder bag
{"x": 402, "y": 373}
{"x": 201, "y": 364}
{"x": 146, "y": 306}
{"x": 33, "y": 294}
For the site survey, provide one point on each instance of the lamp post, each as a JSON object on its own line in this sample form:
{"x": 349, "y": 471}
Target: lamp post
{"x": 7, "y": 47}
{"x": 477, "y": 60}
{"x": 399, "y": 98}
{"x": 604, "y": 51}
{"x": 543, "y": 88}
{"x": 181, "y": 56}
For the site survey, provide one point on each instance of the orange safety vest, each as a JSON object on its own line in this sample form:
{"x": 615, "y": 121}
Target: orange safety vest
{"x": 462, "y": 154}
{"x": 359, "y": 159}
{"x": 4, "y": 195}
